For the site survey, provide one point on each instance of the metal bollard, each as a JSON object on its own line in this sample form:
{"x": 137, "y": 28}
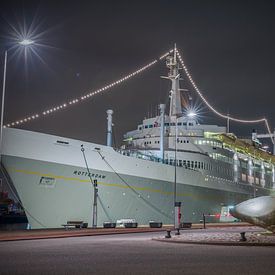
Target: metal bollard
{"x": 168, "y": 236}
{"x": 243, "y": 238}
{"x": 178, "y": 232}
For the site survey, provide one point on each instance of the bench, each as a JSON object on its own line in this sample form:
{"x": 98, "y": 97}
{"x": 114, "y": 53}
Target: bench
{"x": 109, "y": 225}
{"x": 75, "y": 224}
{"x": 131, "y": 225}
{"x": 154, "y": 224}
{"x": 186, "y": 225}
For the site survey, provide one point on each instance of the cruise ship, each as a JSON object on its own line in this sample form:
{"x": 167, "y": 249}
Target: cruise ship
{"x": 168, "y": 158}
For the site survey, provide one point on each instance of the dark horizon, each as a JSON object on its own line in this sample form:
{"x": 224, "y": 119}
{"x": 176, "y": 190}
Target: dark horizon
{"x": 228, "y": 48}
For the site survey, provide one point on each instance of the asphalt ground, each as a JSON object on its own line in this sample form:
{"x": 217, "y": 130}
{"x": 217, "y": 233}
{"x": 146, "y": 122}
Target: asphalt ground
{"x": 131, "y": 254}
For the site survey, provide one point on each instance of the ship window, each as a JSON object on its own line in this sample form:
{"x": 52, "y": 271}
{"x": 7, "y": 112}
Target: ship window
{"x": 172, "y": 124}
{"x": 62, "y": 142}
{"x": 187, "y": 141}
{"x": 166, "y": 124}
{"x": 184, "y": 124}
{"x": 188, "y": 163}
{"x": 179, "y": 123}
{"x": 196, "y": 164}
{"x": 139, "y": 128}
{"x": 150, "y": 126}
{"x": 180, "y": 163}
{"x": 190, "y": 124}
{"x": 192, "y": 164}
{"x": 146, "y": 126}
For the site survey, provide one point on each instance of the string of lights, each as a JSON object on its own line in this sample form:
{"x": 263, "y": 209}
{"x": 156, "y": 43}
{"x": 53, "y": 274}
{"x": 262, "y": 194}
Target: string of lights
{"x": 54, "y": 109}
{"x": 189, "y": 76}
{"x": 129, "y": 76}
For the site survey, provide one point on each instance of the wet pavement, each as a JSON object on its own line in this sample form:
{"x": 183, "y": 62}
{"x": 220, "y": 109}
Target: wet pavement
{"x": 132, "y": 254}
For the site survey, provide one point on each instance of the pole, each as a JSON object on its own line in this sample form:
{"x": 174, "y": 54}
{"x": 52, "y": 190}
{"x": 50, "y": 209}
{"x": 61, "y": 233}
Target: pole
{"x": 3, "y": 103}
{"x": 227, "y": 126}
{"x": 109, "y": 127}
{"x": 95, "y": 204}
{"x": 175, "y": 164}
{"x": 203, "y": 219}
{"x": 162, "y": 114}
{"x": 177, "y": 204}
{"x": 94, "y": 183}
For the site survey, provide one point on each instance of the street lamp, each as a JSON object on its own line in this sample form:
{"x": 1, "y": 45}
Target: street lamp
{"x": 24, "y": 43}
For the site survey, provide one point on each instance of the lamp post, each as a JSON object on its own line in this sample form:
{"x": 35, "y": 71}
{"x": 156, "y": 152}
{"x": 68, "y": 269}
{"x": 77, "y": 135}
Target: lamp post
{"x": 24, "y": 43}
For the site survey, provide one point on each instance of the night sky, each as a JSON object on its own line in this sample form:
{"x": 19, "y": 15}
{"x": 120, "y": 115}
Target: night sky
{"x": 228, "y": 47}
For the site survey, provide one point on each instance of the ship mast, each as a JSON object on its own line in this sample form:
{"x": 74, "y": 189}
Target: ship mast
{"x": 174, "y": 76}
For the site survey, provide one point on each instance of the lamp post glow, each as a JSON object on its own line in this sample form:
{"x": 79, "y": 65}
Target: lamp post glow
{"x": 191, "y": 114}
{"x": 25, "y": 43}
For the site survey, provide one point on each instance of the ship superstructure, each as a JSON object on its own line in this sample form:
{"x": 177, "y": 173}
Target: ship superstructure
{"x": 211, "y": 169}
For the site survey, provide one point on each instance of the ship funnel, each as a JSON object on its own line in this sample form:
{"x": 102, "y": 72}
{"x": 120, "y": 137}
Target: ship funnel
{"x": 109, "y": 127}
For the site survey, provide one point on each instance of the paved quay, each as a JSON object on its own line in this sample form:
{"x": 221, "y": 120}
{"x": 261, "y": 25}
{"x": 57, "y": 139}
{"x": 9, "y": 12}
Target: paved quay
{"x": 132, "y": 254}
{"x": 254, "y": 236}
{"x": 16, "y": 235}
{"x": 63, "y": 233}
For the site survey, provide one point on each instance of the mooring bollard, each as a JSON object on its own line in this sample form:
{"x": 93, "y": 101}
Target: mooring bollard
{"x": 168, "y": 236}
{"x": 243, "y": 238}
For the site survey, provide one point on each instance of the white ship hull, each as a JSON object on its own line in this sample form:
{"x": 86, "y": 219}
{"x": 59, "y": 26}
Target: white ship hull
{"x": 52, "y": 183}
